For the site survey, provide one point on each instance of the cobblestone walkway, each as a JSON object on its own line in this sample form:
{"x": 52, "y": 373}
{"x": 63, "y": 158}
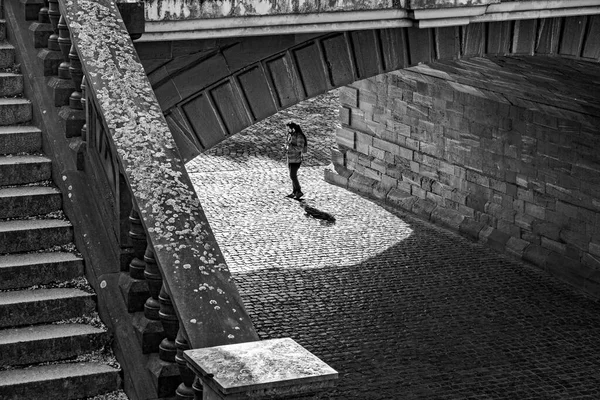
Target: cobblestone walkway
{"x": 401, "y": 308}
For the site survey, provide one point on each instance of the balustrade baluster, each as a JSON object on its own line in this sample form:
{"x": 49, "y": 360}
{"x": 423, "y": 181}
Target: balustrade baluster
{"x": 185, "y": 390}
{"x": 80, "y": 146}
{"x": 167, "y": 350}
{"x": 43, "y": 17}
{"x": 54, "y": 16}
{"x": 64, "y": 43}
{"x": 76, "y": 72}
{"x": 41, "y": 29}
{"x": 138, "y": 242}
{"x": 197, "y": 387}
{"x": 83, "y": 101}
{"x": 154, "y": 281}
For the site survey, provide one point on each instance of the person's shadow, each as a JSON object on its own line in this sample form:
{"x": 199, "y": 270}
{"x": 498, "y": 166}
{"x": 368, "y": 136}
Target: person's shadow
{"x": 312, "y": 212}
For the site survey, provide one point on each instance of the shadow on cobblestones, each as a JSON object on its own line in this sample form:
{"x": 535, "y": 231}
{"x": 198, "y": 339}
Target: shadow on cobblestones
{"x": 434, "y": 316}
{"x": 401, "y": 308}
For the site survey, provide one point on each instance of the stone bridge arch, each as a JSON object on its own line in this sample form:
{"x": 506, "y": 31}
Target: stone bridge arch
{"x": 212, "y": 89}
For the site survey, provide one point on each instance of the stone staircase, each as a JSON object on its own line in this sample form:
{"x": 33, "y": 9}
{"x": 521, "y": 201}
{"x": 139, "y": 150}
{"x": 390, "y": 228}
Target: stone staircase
{"x": 51, "y": 340}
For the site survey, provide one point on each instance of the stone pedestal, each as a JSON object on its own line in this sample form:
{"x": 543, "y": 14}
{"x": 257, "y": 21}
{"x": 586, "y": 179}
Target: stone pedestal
{"x": 134, "y": 291}
{"x": 149, "y": 332}
{"x": 270, "y": 369}
{"x": 41, "y": 32}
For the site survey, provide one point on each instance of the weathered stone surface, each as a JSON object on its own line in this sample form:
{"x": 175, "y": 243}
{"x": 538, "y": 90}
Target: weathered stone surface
{"x": 192, "y": 265}
{"x": 59, "y": 381}
{"x": 51, "y": 60}
{"x": 20, "y": 139}
{"x": 29, "y": 235}
{"x": 279, "y": 366}
{"x": 135, "y": 292}
{"x": 28, "y": 201}
{"x": 10, "y": 84}
{"x": 61, "y": 89}
{"x": 536, "y": 255}
{"x": 335, "y": 178}
{"x": 448, "y": 217}
{"x": 14, "y": 111}
{"x": 165, "y": 375}
{"x": 28, "y": 307}
{"x": 516, "y": 247}
{"x": 180, "y": 9}
{"x": 149, "y": 332}
{"x": 401, "y": 198}
{"x": 29, "y": 269}
{"x": 24, "y": 169}
{"x": 504, "y": 164}
{"x": 7, "y": 55}
{"x": 41, "y": 32}
{"x": 42, "y": 343}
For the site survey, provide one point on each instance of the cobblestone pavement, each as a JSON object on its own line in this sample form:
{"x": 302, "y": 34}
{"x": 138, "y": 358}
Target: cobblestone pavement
{"x": 400, "y": 308}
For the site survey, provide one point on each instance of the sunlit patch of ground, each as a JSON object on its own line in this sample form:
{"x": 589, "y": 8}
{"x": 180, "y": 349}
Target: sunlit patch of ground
{"x": 258, "y": 227}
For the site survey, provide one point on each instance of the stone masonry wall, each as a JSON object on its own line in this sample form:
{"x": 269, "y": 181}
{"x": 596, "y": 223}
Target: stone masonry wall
{"x": 505, "y": 151}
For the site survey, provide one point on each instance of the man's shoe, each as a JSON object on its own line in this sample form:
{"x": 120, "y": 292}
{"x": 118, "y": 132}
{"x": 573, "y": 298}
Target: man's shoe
{"x": 291, "y": 195}
{"x": 298, "y": 195}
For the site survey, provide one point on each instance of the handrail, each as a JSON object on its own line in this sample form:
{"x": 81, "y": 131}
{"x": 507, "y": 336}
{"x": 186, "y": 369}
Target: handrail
{"x": 194, "y": 271}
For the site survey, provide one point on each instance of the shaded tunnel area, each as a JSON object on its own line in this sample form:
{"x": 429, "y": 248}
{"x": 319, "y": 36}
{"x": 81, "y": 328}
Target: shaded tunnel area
{"x": 429, "y": 315}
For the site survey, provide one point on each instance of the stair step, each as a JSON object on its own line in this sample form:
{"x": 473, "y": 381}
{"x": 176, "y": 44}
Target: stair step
{"x": 20, "y": 139}
{"x": 10, "y": 84}
{"x": 14, "y": 111}
{"x": 7, "y": 54}
{"x": 28, "y": 269}
{"x": 17, "y": 170}
{"x": 41, "y": 343}
{"x": 19, "y": 236}
{"x": 28, "y": 307}
{"x": 27, "y": 201}
{"x": 59, "y": 381}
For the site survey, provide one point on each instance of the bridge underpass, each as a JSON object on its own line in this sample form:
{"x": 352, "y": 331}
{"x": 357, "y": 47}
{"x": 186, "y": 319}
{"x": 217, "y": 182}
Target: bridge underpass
{"x": 468, "y": 337}
{"x": 401, "y": 308}
{"x": 463, "y": 43}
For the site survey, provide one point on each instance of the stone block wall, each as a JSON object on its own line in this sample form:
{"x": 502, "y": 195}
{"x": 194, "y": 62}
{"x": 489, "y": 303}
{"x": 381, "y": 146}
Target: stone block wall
{"x": 504, "y": 151}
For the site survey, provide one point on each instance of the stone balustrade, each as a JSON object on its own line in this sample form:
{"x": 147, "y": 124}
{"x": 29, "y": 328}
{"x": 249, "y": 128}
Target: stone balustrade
{"x": 163, "y": 230}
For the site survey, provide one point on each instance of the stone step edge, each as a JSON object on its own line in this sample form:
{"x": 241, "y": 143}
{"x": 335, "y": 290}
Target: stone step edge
{"x": 36, "y": 333}
{"x": 52, "y": 372}
{"x": 37, "y": 258}
{"x": 20, "y": 225}
{"x": 20, "y": 271}
{"x": 4, "y": 101}
{"x": 11, "y": 129}
{"x": 40, "y": 295}
{"x": 33, "y": 190}
{"x": 23, "y": 159}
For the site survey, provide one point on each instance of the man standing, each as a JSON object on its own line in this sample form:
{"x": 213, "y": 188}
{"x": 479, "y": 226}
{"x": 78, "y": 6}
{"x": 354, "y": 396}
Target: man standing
{"x": 295, "y": 147}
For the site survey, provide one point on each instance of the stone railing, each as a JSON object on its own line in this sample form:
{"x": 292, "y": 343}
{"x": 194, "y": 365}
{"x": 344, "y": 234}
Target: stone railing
{"x": 149, "y": 203}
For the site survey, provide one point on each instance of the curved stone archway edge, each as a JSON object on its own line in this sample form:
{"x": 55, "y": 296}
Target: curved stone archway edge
{"x": 212, "y": 89}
